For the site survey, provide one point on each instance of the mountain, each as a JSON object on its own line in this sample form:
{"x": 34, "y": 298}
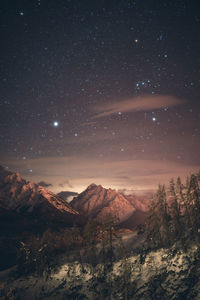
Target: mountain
{"x": 139, "y": 202}
{"x": 29, "y": 210}
{"x": 98, "y": 202}
{"x": 37, "y": 203}
{"x": 32, "y": 200}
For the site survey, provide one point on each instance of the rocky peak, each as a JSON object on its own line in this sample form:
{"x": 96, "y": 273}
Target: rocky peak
{"x": 98, "y": 202}
{"x": 18, "y": 194}
{"x": 13, "y": 178}
{"x": 91, "y": 186}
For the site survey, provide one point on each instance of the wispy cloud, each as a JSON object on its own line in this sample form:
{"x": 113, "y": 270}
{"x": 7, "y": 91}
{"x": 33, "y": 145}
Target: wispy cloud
{"x": 44, "y": 184}
{"x": 143, "y": 103}
{"x": 66, "y": 183}
{"x": 131, "y": 174}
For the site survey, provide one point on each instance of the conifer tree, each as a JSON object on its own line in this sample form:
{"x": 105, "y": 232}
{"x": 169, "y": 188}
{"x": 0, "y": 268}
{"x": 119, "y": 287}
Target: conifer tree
{"x": 153, "y": 228}
{"x": 174, "y": 211}
{"x": 90, "y": 232}
{"x": 168, "y": 215}
{"x": 109, "y": 232}
{"x": 181, "y": 192}
{"x": 89, "y": 239}
{"x": 193, "y": 197}
{"x": 163, "y": 212}
{"x": 158, "y": 220}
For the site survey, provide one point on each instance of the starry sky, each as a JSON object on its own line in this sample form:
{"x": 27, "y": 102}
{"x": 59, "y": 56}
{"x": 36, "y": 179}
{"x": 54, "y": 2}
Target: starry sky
{"x": 100, "y": 91}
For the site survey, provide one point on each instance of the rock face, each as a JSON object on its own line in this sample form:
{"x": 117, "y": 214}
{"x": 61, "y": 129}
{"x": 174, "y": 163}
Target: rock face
{"x": 98, "y": 202}
{"x": 21, "y": 196}
{"x": 139, "y": 202}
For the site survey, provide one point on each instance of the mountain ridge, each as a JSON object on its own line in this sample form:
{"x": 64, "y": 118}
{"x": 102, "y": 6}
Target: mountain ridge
{"x": 97, "y": 202}
{"x": 21, "y": 196}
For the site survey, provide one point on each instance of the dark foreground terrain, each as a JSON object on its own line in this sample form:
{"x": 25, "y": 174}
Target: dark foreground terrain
{"x": 158, "y": 274}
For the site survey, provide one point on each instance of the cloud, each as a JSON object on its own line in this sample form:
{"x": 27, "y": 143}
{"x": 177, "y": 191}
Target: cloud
{"x": 44, "y": 184}
{"x": 144, "y": 193}
{"x": 93, "y": 123}
{"x": 67, "y": 195}
{"x": 136, "y": 174}
{"x": 143, "y": 103}
{"x": 66, "y": 182}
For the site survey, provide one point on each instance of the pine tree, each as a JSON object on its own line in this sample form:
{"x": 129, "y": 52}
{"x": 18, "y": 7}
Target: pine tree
{"x": 163, "y": 212}
{"x": 193, "y": 197}
{"x": 168, "y": 215}
{"x": 158, "y": 219}
{"x": 174, "y": 211}
{"x": 181, "y": 192}
{"x": 90, "y": 232}
{"x": 109, "y": 233}
{"x": 89, "y": 239}
{"x": 152, "y": 225}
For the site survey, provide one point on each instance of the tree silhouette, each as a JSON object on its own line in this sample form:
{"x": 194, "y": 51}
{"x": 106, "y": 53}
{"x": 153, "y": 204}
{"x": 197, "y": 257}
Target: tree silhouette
{"x": 175, "y": 216}
{"x": 174, "y": 211}
{"x": 158, "y": 219}
{"x": 193, "y": 198}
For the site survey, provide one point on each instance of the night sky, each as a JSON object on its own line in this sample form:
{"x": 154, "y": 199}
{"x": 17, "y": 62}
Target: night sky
{"x": 100, "y": 91}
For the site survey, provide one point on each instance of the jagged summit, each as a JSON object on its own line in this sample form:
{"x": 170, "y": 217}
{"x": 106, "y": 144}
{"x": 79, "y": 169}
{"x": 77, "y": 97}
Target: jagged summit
{"x": 92, "y": 185}
{"x": 97, "y": 202}
{"x": 18, "y": 195}
{"x": 14, "y": 178}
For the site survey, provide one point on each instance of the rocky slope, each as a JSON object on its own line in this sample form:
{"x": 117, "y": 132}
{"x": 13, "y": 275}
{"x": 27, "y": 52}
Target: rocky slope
{"x": 139, "y": 202}
{"x": 21, "y": 196}
{"x": 98, "y": 202}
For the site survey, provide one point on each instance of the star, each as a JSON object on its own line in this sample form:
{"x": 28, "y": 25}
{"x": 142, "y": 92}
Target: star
{"x": 153, "y": 119}
{"x": 21, "y": 13}
{"x": 75, "y": 134}
{"x": 55, "y": 123}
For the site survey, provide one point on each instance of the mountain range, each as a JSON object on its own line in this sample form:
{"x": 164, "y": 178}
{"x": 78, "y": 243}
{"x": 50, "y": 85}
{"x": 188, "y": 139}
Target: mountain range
{"x": 35, "y": 201}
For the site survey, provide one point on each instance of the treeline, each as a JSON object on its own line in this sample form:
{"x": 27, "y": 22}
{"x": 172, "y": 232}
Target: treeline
{"x": 174, "y": 214}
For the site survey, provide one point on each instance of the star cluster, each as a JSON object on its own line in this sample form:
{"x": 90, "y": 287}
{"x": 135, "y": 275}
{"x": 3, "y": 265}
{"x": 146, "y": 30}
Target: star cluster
{"x": 70, "y": 72}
